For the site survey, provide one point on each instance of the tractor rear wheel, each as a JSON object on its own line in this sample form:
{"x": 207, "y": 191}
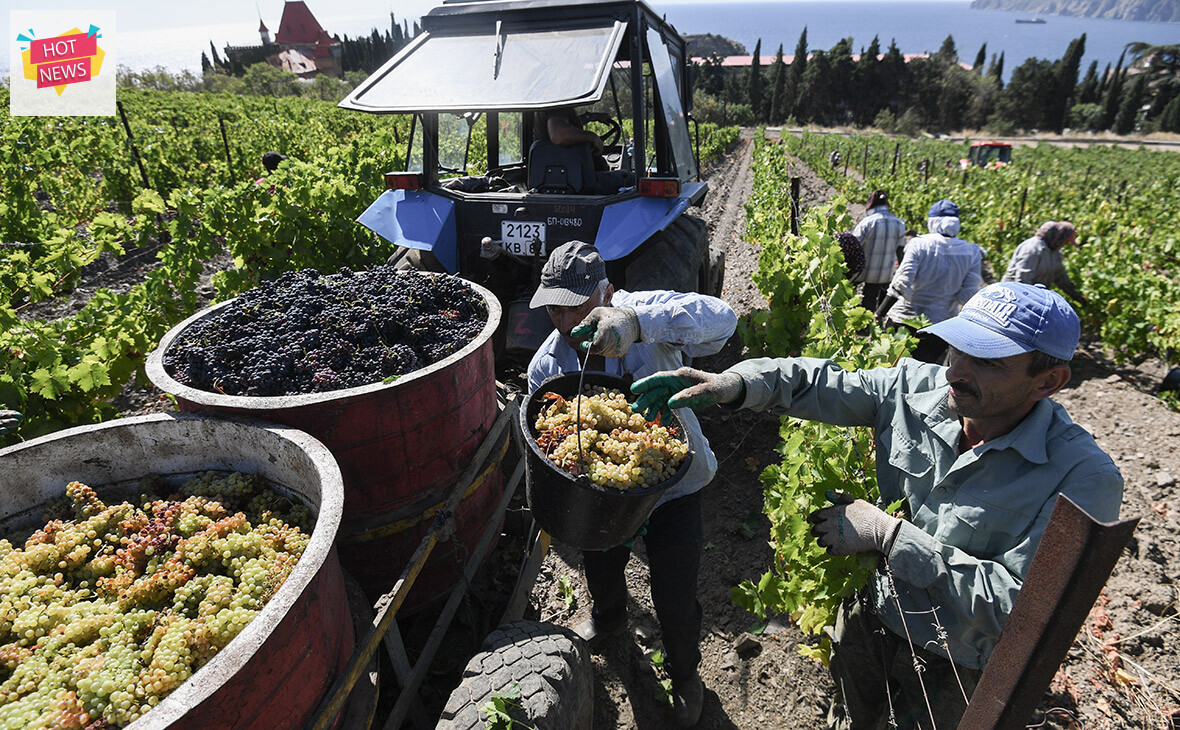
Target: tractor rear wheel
{"x": 673, "y": 258}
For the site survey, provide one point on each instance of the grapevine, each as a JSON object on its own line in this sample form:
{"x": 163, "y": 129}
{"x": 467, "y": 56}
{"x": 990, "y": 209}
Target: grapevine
{"x": 108, "y": 608}
{"x": 814, "y": 312}
{"x": 613, "y": 446}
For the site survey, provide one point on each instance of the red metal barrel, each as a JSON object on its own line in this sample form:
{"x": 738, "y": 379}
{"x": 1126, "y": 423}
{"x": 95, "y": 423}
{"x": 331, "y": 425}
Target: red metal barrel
{"x": 400, "y": 446}
{"x": 276, "y": 672}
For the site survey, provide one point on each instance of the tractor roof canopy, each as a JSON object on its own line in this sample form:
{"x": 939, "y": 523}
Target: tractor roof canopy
{"x": 505, "y": 55}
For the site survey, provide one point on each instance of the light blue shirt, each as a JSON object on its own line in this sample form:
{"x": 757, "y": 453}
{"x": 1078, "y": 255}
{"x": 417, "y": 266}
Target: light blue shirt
{"x": 882, "y": 234}
{"x": 937, "y": 275}
{"x": 672, "y": 327}
{"x": 976, "y": 518}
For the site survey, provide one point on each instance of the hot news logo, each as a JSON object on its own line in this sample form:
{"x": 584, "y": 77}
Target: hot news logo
{"x": 70, "y": 58}
{"x": 62, "y": 62}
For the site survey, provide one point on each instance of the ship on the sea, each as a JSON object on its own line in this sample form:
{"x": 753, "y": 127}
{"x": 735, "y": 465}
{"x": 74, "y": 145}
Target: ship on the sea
{"x": 1037, "y": 21}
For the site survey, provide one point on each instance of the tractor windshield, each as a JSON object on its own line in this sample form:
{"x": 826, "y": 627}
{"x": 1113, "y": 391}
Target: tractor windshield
{"x": 505, "y": 67}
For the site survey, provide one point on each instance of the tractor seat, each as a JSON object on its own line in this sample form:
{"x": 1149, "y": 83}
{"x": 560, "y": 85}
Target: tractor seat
{"x": 557, "y": 169}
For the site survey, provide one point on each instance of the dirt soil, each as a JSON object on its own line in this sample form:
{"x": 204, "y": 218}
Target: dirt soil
{"x": 1122, "y": 671}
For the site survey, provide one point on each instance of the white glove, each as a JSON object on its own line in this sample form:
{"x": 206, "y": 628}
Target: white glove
{"x": 853, "y": 526}
{"x": 610, "y": 331}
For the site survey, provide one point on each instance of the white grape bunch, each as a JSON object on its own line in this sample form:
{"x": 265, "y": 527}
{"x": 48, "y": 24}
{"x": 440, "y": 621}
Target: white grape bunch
{"x": 108, "y": 608}
{"x": 619, "y": 449}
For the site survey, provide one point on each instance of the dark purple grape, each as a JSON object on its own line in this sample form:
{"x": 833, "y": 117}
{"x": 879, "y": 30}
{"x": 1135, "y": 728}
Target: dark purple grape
{"x": 854, "y": 253}
{"x": 306, "y": 333}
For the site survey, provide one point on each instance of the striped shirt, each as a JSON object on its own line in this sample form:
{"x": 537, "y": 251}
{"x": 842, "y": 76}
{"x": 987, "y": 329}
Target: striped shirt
{"x": 882, "y": 234}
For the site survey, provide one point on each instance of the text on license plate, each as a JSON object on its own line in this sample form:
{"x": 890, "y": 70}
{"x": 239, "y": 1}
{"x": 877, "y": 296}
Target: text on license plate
{"x": 518, "y": 237}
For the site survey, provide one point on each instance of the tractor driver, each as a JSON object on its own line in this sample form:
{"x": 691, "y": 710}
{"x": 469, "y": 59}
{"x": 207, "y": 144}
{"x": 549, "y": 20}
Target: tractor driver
{"x": 564, "y": 126}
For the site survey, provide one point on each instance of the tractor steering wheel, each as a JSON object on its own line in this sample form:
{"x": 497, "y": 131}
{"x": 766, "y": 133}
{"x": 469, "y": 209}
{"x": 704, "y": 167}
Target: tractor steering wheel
{"x": 613, "y": 133}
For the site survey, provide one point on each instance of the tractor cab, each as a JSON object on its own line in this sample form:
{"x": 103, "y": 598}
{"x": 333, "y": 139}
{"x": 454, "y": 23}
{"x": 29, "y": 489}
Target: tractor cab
{"x": 988, "y": 154}
{"x": 485, "y": 196}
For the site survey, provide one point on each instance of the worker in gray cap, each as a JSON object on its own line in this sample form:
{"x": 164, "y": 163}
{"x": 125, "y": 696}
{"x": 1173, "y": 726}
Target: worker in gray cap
{"x": 977, "y": 452}
{"x": 639, "y": 333}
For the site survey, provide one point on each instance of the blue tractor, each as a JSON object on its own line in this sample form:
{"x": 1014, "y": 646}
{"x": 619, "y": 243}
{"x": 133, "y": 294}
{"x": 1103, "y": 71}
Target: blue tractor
{"x": 478, "y": 80}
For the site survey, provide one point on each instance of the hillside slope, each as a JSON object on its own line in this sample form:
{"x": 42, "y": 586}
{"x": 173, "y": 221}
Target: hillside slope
{"x": 1150, "y": 10}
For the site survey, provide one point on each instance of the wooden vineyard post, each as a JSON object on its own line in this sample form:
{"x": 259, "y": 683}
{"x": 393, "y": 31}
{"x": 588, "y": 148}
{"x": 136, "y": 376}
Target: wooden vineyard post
{"x": 864, "y": 169}
{"x": 225, "y": 141}
{"x": 896, "y": 155}
{"x": 845, "y": 167}
{"x": 794, "y": 206}
{"x": 134, "y": 150}
{"x": 1020, "y": 216}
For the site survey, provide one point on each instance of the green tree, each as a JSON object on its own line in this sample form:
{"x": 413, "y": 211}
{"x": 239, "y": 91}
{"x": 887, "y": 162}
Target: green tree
{"x": 754, "y": 84}
{"x": 1088, "y": 89}
{"x": 980, "y": 60}
{"x": 948, "y": 54}
{"x": 841, "y": 85}
{"x": 867, "y": 101}
{"x": 1170, "y": 119}
{"x": 795, "y": 75}
{"x": 262, "y": 79}
{"x": 1114, "y": 94}
{"x": 1023, "y": 101}
{"x": 996, "y": 70}
{"x": 1058, "y": 104}
{"x": 778, "y": 93}
{"x": 813, "y": 101}
{"x": 1128, "y": 114}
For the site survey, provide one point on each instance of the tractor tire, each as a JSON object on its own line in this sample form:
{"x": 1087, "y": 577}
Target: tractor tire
{"x": 549, "y": 663}
{"x": 673, "y": 258}
{"x": 713, "y": 278}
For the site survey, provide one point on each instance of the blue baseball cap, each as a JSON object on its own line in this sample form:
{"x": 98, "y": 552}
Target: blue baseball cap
{"x": 944, "y": 208}
{"x": 1008, "y": 319}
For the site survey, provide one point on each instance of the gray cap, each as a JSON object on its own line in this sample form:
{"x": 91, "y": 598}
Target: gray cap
{"x": 570, "y": 276}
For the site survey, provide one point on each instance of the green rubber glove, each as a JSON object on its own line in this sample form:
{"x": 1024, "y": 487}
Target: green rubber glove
{"x": 853, "y": 526}
{"x": 9, "y": 420}
{"x": 608, "y": 331}
{"x": 683, "y": 388}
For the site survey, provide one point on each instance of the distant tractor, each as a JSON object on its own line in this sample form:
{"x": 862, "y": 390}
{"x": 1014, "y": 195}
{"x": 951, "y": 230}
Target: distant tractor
{"x": 987, "y": 154}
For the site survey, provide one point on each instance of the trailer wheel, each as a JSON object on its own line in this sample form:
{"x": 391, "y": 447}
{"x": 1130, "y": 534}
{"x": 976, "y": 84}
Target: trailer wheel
{"x": 549, "y": 663}
{"x": 671, "y": 259}
{"x": 713, "y": 276}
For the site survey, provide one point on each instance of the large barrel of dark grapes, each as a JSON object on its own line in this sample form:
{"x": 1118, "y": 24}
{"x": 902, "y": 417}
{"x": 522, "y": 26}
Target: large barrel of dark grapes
{"x": 401, "y": 447}
{"x": 275, "y": 673}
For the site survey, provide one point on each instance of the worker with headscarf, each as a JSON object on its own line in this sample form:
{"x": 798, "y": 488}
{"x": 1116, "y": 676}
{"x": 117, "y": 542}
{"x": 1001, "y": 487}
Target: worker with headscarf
{"x": 1038, "y": 260}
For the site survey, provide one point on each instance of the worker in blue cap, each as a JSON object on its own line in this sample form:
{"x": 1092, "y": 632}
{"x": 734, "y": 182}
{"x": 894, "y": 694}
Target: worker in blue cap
{"x": 977, "y": 450}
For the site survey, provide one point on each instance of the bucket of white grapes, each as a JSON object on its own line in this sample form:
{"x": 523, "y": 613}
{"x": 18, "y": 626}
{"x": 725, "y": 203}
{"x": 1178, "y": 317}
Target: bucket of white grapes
{"x": 594, "y": 470}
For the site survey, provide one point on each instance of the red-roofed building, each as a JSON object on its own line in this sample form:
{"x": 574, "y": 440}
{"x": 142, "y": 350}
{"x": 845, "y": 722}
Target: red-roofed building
{"x": 300, "y": 46}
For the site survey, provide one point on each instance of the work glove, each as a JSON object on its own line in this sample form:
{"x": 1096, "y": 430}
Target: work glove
{"x": 853, "y": 526}
{"x": 608, "y": 331}
{"x": 683, "y": 388}
{"x": 9, "y": 420}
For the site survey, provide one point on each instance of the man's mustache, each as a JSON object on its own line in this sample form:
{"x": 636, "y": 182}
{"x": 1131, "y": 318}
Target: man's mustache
{"x": 963, "y": 387}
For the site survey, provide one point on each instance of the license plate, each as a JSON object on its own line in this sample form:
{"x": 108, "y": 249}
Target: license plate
{"x": 518, "y": 237}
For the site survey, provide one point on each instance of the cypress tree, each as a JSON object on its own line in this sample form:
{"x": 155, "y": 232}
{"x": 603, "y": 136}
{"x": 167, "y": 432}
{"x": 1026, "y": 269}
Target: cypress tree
{"x": 1114, "y": 95}
{"x": 1067, "y": 81}
{"x": 1088, "y": 91}
{"x": 795, "y": 76}
{"x": 1170, "y": 119}
{"x": 996, "y": 70}
{"x": 1124, "y": 123}
{"x": 980, "y": 60}
{"x": 205, "y": 65}
{"x": 778, "y": 93}
{"x": 947, "y": 53}
{"x": 217, "y": 62}
{"x": 754, "y": 84}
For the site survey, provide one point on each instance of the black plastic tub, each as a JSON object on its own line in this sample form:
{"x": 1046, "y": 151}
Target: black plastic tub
{"x": 572, "y": 509}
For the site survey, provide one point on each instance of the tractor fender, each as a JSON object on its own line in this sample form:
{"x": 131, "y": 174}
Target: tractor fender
{"x": 627, "y": 224}
{"x": 416, "y": 219}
